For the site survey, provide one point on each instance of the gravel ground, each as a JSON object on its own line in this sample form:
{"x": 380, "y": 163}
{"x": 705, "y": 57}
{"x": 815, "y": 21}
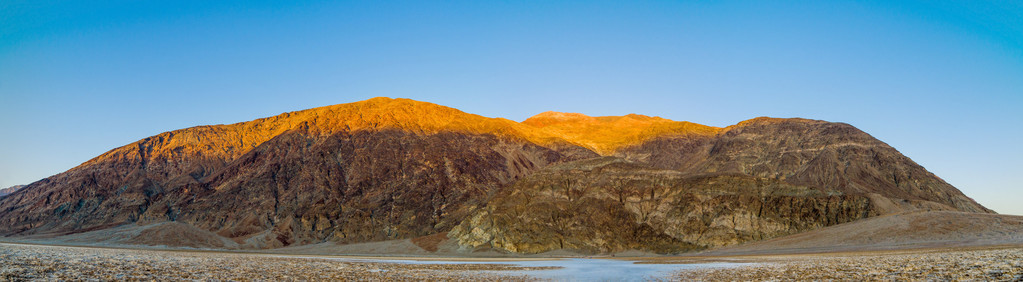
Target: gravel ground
{"x": 34, "y": 262}
{"x": 948, "y": 265}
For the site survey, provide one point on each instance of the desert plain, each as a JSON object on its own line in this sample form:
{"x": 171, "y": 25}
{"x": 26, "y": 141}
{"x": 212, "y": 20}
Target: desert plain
{"x": 33, "y": 262}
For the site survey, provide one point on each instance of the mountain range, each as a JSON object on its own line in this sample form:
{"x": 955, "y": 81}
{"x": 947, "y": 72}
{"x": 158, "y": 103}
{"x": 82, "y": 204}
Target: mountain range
{"x": 386, "y": 169}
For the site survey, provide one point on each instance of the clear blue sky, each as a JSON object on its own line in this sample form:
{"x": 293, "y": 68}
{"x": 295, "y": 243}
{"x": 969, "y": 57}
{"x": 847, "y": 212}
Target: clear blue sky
{"x": 942, "y": 82}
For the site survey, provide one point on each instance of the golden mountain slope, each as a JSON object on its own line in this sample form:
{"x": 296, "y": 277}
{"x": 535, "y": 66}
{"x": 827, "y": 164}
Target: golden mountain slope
{"x": 603, "y": 135}
{"x": 606, "y": 134}
{"x": 228, "y": 142}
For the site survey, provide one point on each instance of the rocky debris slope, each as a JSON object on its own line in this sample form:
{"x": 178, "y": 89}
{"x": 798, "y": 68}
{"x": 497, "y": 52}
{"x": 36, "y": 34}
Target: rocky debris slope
{"x": 938, "y": 229}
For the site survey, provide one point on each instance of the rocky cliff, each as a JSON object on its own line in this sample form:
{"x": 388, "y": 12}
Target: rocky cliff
{"x": 396, "y": 168}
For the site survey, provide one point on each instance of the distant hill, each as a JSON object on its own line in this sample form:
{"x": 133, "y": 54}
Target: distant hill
{"x": 386, "y": 168}
{"x": 9, "y": 190}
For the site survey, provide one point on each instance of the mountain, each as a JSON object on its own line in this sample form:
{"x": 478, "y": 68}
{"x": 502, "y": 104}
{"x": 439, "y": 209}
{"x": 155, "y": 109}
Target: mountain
{"x": 9, "y": 190}
{"x": 711, "y": 187}
{"x": 386, "y": 169}
{"x": 372, "y": 170}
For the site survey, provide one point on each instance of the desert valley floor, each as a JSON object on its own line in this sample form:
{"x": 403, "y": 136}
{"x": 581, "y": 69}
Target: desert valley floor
{"x": 945, "y": 246}
{"x": 62, "y": 263}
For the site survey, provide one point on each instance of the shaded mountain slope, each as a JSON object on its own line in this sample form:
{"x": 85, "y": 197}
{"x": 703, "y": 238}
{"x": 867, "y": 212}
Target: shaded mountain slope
{"x": 365, "y": 186}
{"x": 810, "y": 153}
{"x": 610, "y": 205}
{"x": 713, "y": 190}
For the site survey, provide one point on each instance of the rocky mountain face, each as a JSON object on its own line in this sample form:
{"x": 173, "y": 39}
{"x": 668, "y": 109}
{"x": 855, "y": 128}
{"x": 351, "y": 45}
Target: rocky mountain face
{"x": 759, "y": 179}
{"x": 373, "y": 170}
{"x": 352, "y": 187}
{"x": 810, "y": 153}
{"x": 395, "y": 168}
{"x": 610, "y": 204}
{"x": 9, "y": 190}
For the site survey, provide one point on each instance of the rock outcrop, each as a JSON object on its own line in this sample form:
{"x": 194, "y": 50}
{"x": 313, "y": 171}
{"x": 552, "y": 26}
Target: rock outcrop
{"x": 395, "y": 169}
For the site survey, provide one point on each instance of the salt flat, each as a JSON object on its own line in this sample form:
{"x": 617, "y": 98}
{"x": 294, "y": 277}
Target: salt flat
{"x": 47, "y": 262}
{"x": 948, "y": 264}
{"x": 41, "y": 262}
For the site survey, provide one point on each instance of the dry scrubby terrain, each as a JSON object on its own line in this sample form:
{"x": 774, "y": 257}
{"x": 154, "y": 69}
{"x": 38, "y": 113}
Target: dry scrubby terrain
{"x": 397, "y": 169}
{"x": 936, "y": 229}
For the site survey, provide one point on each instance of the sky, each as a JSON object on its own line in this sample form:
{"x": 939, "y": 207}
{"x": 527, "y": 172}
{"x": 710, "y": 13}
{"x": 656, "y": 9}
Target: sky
{"x": 941, "y": 81}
